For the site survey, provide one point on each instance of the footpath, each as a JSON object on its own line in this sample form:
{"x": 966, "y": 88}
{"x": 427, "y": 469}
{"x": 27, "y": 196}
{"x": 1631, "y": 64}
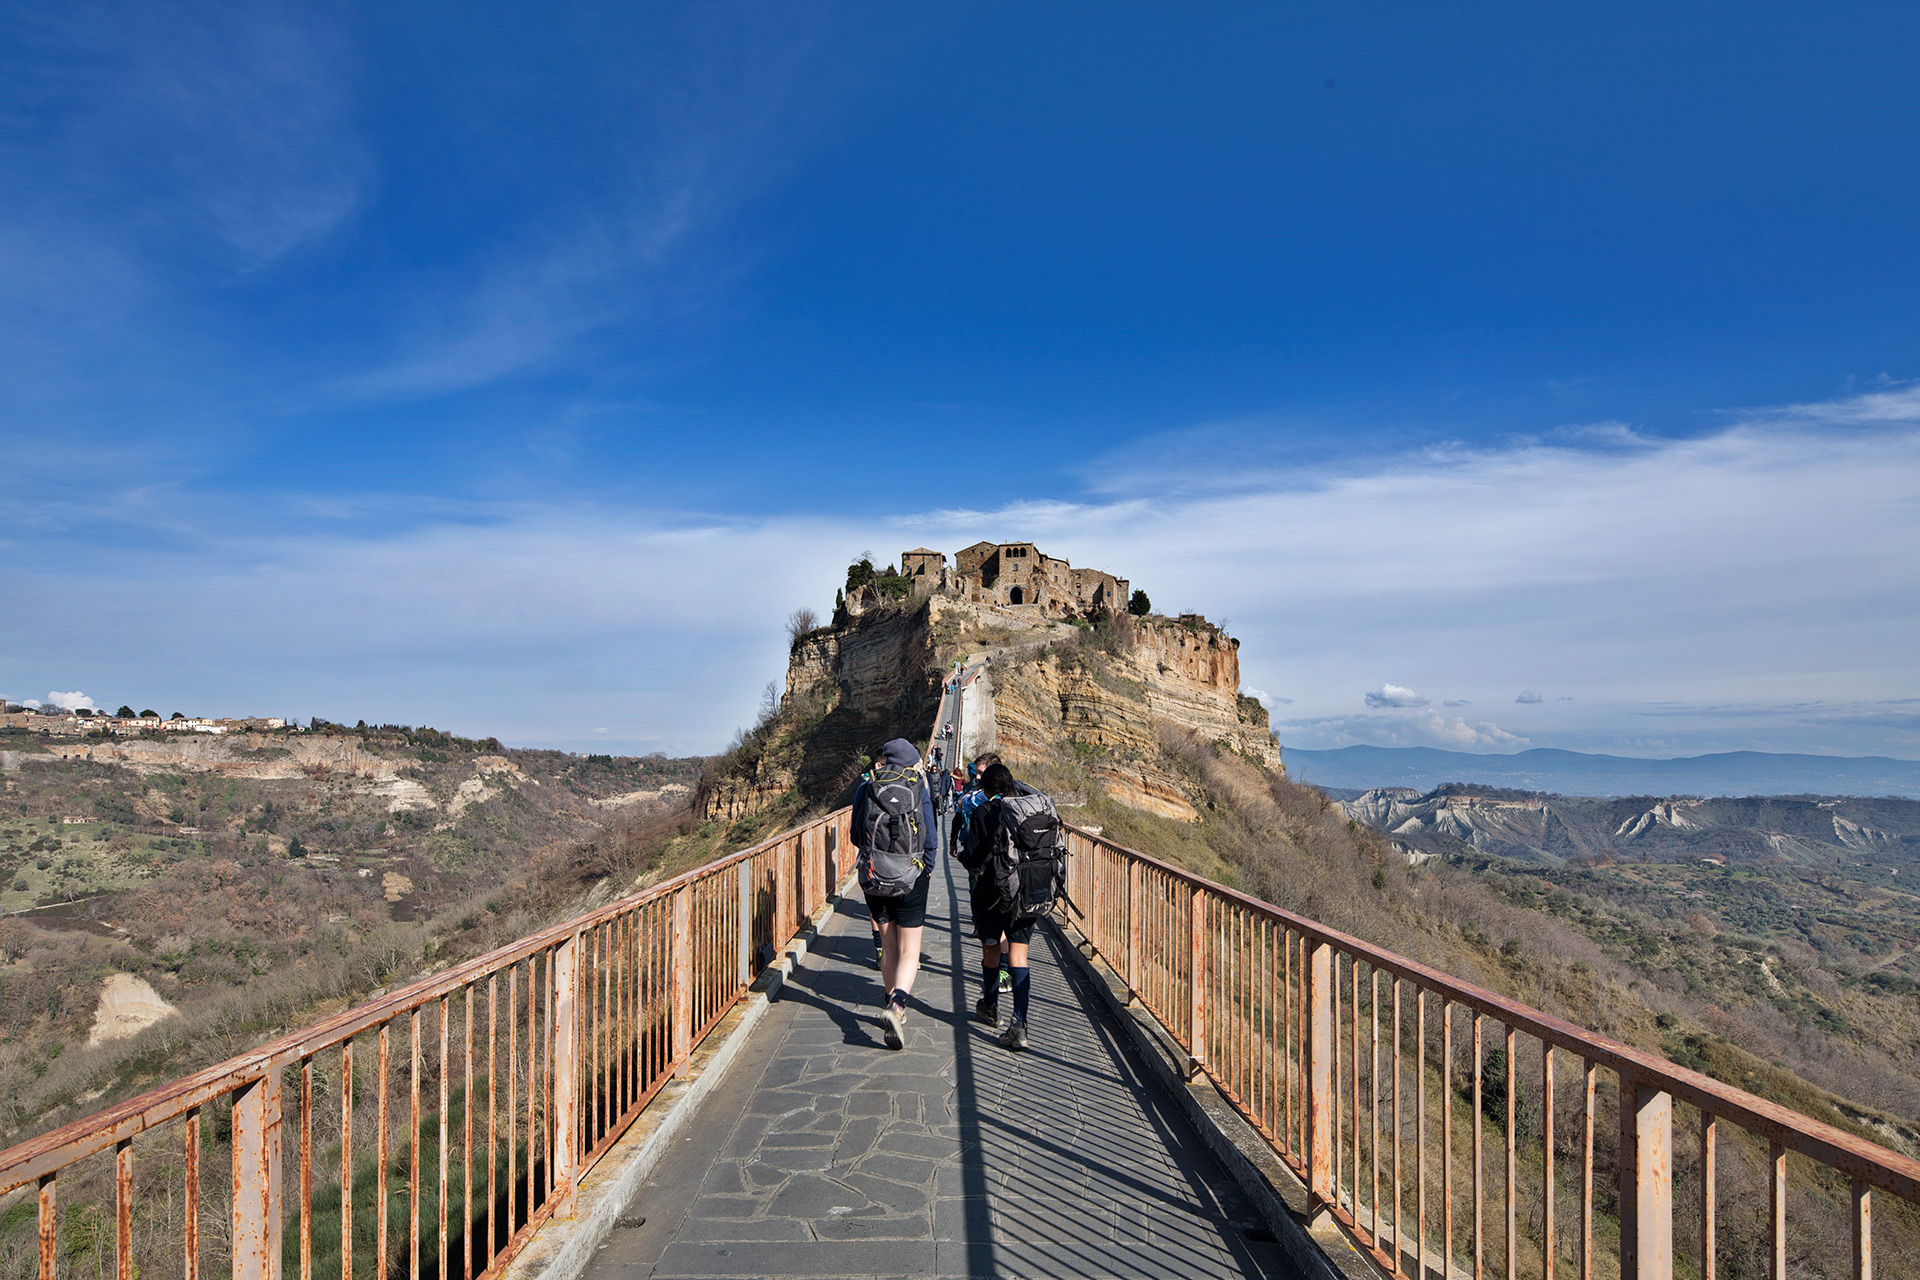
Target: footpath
{"x": 823, "y": 1154}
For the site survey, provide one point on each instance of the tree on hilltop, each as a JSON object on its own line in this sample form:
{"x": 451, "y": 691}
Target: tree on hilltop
{"x": 125, "y": 712}
{"x": 1139, "y": 606}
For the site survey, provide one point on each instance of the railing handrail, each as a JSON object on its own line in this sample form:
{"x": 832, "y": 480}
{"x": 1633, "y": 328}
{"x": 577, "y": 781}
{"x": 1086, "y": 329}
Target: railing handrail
{"x": 23, "y": 1163}
{"x": 1857, "y": 1157}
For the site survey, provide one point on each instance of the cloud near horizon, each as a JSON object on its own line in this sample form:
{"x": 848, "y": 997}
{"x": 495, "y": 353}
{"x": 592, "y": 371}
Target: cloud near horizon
{"x": 1763, "y": 565}
{"x": 1393, "y": 695}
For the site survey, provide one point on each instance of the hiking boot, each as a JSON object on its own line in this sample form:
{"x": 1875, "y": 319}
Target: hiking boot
{"x": 987, "y": 1009}
{"x": 893, "y": 1024}
{"x": 1006, "y": 979}
{"x": 1015, "y": 1036}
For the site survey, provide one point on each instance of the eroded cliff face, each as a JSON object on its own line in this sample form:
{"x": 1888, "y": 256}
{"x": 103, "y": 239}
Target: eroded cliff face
{"x": 849, "y": 688}
{"x": 1109, "y": 698}
{"x": 1115, "y": 705}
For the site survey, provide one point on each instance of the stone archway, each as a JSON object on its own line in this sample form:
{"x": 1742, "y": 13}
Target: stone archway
{"x": 1016, "y": 595}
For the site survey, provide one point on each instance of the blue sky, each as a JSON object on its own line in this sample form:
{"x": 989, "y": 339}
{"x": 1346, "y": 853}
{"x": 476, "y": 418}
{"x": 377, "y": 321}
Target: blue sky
{"x": 1506, "y": 376}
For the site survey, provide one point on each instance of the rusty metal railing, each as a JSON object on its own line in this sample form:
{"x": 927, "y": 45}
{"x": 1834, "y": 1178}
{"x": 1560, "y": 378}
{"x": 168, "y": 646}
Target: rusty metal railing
{"x": 1383, "y": 1084}
{"x": 465, "y": 1105}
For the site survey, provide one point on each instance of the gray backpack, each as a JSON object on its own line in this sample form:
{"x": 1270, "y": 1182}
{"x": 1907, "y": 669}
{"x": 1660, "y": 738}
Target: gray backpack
{"x": 1028, "y": 863}
{"x": 893, "y": 846}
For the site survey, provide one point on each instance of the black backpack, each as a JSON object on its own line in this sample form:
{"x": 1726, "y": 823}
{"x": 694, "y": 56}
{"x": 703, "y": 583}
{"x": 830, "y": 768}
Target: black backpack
{"x": 1028, "y": 866}
{"x": 893, "y": 847}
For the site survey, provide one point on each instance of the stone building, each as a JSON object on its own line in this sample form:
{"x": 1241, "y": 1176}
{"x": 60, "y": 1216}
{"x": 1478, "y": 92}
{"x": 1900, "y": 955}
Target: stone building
{"x": 1015, "y": 575}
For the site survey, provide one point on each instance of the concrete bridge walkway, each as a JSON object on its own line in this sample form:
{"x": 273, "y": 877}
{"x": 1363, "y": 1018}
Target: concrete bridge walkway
{"x": 823, "y": 1154}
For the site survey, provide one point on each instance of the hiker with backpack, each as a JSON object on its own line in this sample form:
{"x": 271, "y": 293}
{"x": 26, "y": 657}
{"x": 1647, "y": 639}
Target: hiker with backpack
{"x": 893, "y": 830}
{"x": 1015, "y": 853}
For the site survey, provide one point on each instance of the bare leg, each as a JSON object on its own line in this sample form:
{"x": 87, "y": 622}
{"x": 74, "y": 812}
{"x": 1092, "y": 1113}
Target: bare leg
{"x": 902, "y": 962}
{"x": 889, "y": 955}
{"x": 1016, "y": 952}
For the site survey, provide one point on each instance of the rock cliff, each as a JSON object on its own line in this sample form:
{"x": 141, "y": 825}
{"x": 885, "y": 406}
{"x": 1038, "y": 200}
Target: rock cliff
{"x": 1114, "y": 698}
{"x": 849, "y": 687}
{"x": 1108, "y": 696}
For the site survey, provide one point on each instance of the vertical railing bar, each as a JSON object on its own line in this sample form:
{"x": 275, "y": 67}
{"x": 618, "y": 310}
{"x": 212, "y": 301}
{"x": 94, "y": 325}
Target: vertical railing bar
{"x": 1776, "y": 1211}
{"x": 414, "y": 1058}
{"x": 49, "y": 1226}
{"x": 1546, "y": 1161}
{"x": 1399, "y": 1222}
{"x": 1479, "y": 1160}
{"x": 466, "y": 1138}
{"x": 493, "y": 1116}
{"x": 1373, "y": 1097}
{"x": 1588, "y": 1070}
{"x": 306, "y": 1168}
{"x": 623, "y": 974}
{"x": 1862, "y": 1231}
{"x": 1446, "y": 1136}
{"x": 1335, "y": 1079}
{"x": 1289, "y": 1017}
{"x": 596, "y": 995}
{"x": 380, "y": 1149}
{"x": 1513, "y": 1241}
{"x": 1353, "y": 1063}
{"x": 1420, "y": 1129}
{"x": 346, "y": 1164}
{"x": 1709, "y": 1194}
{"x": 533, "y": 1086}
{"x": 549, "y": 1121}
{"x": 191, "y": 1245}
{"x": 512, "y": 1110}
{"x": 446, "y": 1013}
{"x": 123, "y": 1208}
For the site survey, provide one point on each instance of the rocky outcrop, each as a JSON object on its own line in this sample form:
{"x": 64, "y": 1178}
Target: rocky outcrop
{"x": 1116, "y": 702}
{"x": 128, "y": 1005}
{"x": 850, "y": 687}
{"x": 1111, "y": 696}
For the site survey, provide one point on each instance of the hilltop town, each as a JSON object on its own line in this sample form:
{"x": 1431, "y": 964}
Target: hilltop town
{"x": 82, "y": 721}
{"x": 1015, "y": 576}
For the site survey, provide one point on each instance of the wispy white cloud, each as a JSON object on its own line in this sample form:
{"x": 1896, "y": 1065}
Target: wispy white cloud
{"x": 1393, "y": 695}
{"x": 1527, "y": 697}
{"x": 1763, "y": 566}
{"x": 1426, "y": 728}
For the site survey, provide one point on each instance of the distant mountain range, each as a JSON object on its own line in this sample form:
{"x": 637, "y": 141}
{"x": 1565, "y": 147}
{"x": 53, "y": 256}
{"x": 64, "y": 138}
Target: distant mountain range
{"x": 1575, "y": 773}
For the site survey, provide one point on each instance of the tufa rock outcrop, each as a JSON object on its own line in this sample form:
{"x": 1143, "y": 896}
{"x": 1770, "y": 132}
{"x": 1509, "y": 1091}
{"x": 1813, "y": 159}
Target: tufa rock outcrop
{"x": 1110, "y": 691}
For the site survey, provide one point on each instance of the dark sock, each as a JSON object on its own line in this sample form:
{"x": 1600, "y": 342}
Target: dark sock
{"x": 989, "y": 978}
{"x": 897, "y": 997}
{"x": 1022, "y": 987}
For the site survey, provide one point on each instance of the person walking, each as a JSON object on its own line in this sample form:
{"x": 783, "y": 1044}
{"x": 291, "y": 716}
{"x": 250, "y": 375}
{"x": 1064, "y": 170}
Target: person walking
{"x": 970, "y": 796}
{"x": 1002, "y": 935}
{"x": 893, "y": 830}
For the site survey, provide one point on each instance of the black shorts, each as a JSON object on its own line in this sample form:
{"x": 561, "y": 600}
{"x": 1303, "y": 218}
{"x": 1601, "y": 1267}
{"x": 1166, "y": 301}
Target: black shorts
{"x": 989, "y": 924}
{"x": 909, "y": 910}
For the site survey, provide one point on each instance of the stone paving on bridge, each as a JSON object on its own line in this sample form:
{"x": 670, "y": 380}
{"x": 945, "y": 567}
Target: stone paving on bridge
{"x": 824, "y": 1154}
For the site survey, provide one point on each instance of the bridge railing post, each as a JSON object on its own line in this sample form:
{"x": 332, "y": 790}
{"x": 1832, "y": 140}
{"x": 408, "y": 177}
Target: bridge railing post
{"x": 682, "y": 976}
{"x": 566, "y": 1074}
{"x": 257, "y": 1210}
{"x": 1646, "y": 1181}
{"x": 1133, "y": 930}
{"x": 745, "y": 974}
{"x": 783, "y": 861}
{"x": 1319, "y": 1107}
{"x": 1197, "y": 981}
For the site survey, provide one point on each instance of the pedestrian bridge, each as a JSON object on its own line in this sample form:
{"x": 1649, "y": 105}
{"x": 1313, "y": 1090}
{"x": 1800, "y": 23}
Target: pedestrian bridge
{"x": 690, "y": 1082}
